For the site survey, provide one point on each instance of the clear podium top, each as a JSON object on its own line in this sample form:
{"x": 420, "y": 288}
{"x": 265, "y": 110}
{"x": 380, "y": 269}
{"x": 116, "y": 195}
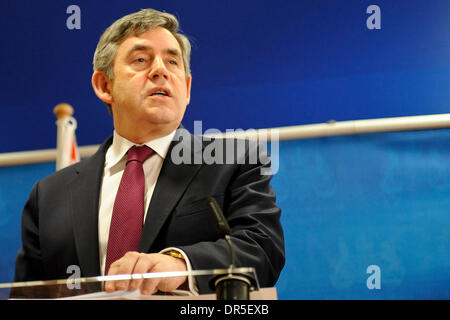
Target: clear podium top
{"x": 93, "y": 287}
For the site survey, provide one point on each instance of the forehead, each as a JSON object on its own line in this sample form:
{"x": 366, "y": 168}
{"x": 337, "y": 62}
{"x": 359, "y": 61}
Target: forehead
{"x": 157, "y": 38}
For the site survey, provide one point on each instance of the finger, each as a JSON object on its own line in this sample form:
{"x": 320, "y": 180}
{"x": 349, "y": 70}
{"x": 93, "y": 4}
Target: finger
{"x": 113, "y": 270}
{"x": 167, "y": 284}
{"x": 150, "y": 286}
{"x": 143, "y": 265}
{"x": 171, "y": 283}
{"x": 128, "y": 261}
{"x": 124, "y": 265}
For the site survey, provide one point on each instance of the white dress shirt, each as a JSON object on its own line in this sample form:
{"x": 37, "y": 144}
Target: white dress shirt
{"x": 115, "y": 161}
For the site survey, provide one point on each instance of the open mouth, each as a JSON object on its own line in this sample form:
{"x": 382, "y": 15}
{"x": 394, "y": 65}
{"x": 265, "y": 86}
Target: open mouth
{"x": 160, "y": 93}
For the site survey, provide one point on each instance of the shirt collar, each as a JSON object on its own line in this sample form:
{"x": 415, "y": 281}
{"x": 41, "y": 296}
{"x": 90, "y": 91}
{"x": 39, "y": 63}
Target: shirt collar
{"x": 121, "y": 145}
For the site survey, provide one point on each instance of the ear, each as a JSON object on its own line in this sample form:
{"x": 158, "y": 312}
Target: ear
{"x": 102, "y": 86}
{"x": 188, "y": 88}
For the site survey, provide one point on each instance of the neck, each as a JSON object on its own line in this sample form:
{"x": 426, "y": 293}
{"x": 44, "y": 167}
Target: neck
{"x": 142, "y": 136}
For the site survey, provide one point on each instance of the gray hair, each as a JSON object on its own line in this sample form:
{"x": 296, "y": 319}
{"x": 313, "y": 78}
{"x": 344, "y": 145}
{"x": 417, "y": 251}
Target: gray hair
{"x": 137, "y": 23}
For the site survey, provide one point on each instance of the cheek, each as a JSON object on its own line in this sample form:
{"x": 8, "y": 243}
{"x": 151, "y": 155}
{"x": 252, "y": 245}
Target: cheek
{"x": 131, "y": 87}
{"x": 182, "y": 92}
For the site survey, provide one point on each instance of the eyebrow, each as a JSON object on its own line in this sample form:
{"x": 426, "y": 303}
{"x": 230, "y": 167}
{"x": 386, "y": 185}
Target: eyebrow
{"x": 138, "y": 47}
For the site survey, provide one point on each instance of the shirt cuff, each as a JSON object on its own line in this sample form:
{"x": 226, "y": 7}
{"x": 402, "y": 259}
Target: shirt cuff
{"x": 191, "y": 279}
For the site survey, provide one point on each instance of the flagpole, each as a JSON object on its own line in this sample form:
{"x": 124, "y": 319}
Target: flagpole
{"x": 62, "y": 111}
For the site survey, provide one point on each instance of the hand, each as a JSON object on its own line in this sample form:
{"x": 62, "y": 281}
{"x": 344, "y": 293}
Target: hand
{"x": 135, "y": 262}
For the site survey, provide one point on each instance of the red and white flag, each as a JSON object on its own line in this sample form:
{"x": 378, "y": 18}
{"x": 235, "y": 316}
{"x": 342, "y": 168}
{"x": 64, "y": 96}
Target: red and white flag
{"x": 67, "y": 148}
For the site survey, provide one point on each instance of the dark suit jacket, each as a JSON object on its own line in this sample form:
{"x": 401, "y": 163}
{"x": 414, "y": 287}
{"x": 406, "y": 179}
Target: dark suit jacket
{"x": 60, "y": 218}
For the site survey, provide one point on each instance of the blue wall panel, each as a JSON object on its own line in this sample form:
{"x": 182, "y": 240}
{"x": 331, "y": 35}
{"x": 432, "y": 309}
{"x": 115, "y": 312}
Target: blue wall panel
{"x": 351, "y": 202}
{"x": 15, "y": 187}
{"x": 255, "y": 64}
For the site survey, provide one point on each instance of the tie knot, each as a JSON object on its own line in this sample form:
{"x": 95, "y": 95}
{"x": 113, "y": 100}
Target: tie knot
{"x": 139, "y": 154}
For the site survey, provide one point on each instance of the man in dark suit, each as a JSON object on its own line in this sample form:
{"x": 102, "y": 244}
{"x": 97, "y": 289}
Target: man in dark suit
{"x": 141, "y": 72}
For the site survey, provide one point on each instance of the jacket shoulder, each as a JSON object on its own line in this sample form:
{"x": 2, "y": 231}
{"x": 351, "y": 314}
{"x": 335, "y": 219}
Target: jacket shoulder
{"x": 93, "y": 163}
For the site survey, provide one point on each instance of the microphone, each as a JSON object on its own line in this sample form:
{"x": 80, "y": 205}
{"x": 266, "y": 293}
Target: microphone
{"x": 223, "y": 227}
{"x": 233, "y": 286}
{"x": 222, "y": 223}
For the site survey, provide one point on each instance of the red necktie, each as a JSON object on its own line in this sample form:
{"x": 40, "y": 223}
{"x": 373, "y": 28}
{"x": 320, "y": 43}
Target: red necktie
{"x": 128, "y": 212}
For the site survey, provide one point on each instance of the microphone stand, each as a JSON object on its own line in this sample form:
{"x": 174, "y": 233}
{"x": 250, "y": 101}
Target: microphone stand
{"x": 232, "y": 286}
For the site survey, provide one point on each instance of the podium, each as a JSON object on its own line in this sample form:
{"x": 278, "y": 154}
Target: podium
{"x": 92, "y": 288}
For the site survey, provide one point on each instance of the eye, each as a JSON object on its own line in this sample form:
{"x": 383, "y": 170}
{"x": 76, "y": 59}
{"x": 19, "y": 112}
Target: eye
{"x": 174, "y": 62}
{"x": 140, "y": 62}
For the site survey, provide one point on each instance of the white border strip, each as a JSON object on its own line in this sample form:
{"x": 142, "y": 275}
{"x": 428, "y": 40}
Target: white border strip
{"x": 437, "y": 121}
{"x": 150, "y": 275}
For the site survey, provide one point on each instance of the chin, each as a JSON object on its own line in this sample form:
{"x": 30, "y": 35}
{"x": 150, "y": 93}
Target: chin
{"x": 163, "y": 115}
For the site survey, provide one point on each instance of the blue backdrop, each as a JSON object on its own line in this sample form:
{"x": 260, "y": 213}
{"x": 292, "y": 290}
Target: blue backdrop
{"x": 255, "y": 64}
{"x": 347, "y": 203}
{"x": 352, "y": 202}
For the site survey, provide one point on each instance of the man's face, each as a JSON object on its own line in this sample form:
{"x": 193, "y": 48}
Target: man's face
{"x": 149, "y": 89}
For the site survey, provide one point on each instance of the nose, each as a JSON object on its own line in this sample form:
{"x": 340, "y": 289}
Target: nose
{"x": 158, "y": 70}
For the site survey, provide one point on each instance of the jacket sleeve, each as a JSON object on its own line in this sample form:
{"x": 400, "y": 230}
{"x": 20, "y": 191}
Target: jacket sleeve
{"x": 29, "y": 264}
{"x": 254, "y": 218}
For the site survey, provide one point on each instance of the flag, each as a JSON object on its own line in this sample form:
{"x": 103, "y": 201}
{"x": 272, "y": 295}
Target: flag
{"x": 67, "y": 148}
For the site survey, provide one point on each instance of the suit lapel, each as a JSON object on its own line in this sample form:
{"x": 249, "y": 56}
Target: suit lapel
{"x": 84, "y": 195}
{"x": 172, "y": 182}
